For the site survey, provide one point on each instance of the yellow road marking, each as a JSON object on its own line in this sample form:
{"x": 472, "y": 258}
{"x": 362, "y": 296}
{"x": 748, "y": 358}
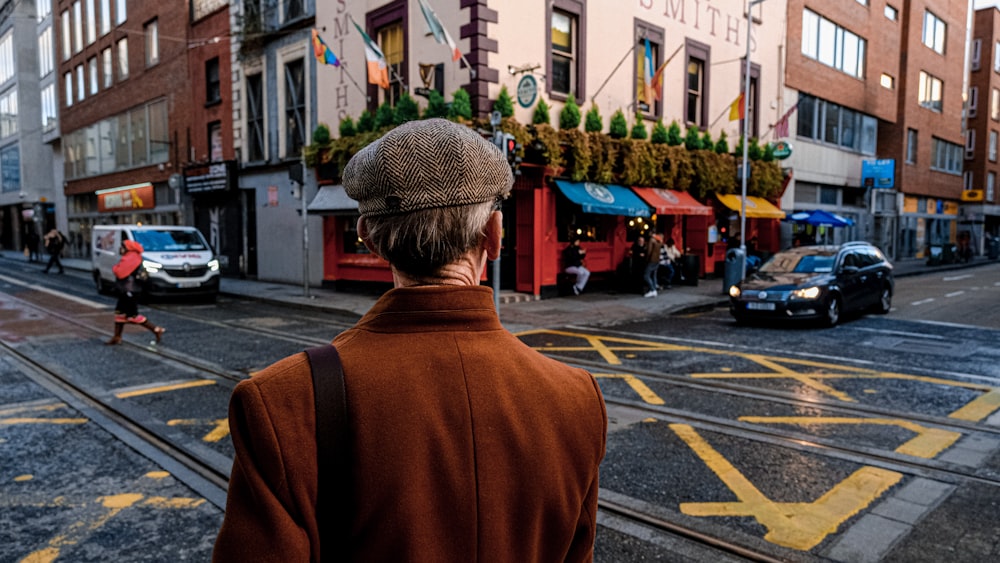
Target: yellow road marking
{"x": 44, "y": 408}
{"x": 164, "y": 388}
{"x": 796, "y": 525}
{"x": 980, "y": 407}
{"x": 220, "y": 431}
{"x": 12, "y": 421}
{"x": 928, "y": 443}
{"x": 636, "y": 384}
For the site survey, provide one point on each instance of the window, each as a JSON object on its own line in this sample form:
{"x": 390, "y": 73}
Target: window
{"x": 946, "y": 157}
{"x": 991, "y": 182}
{"x": 152, "y": 43}
{"x": 77, "y": 27}
{"x": 49, "y": 111}
{"x": 6, "y": 57}
{"x": 563, "y": 52}
{"x": 929, "y": 92}
{"x": 832, "y": 45}
{"x": 138, "y": 136}
{"x": 934, "y": 32}
{"x": 215, "y": 141}
{"x": 66, "y": 36}
{"x": 695, "y": 83}
{"x": 891, "y": 14}
{"x": 911, "y": 146}
{"x": 107, "y": 66}
{"x": 993, "y": 146}
{"x": 123, "y": 59}
{"x": 887, "y": 82}
{"x": 973, "y": 100}
{"x": 43, "y": 8}
{"x": 648, "y": 98}
{"x": 107, "y": 137}
{"x": 10, "y": 168}
{"x": 159, "y": 132}
{"x": 996, "y": 57}
{"x": 8, "y": 114}
{"x": 976, "y": 55}
{"x": 105, "y": 17}
{"x": 45, "y": 54}
{"x": 91, "y": 23}
{"x": 255, "y": 118}
{"x": 213, "y": 92}
{"x": 967, "y": 180}
{"x": 995, "y": 104}
{"x": 120, "y": 15}
{"x": 92, "y": 70}
{"x": 390, "y": 39}
{"x": 295, "y": 107}
{"x": 970, "y": 144}
{"x": 293, "y": 9}
{"x": 81, "y": 84}
{"x": 68, "y": 82}
{"x": 836, "y": 125}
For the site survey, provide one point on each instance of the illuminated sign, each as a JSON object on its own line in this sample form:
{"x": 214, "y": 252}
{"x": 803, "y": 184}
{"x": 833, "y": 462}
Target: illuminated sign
{"x": 126, "y": 198}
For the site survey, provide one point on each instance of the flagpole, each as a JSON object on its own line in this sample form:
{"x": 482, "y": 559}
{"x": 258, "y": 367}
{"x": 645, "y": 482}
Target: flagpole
{"x": 594, "y": 97}
{"x": 343, "y": 67}
{"x": 746, "y": 144}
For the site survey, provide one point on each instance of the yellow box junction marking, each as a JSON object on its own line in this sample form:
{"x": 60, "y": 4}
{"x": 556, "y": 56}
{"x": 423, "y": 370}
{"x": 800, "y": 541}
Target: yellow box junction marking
{"x": 636, "y": 384}
{"x": 220, "y": 430}
{"x": 6, "y": 418}
{"x": 810, "y": 373}
{"x": 164, "y": 388}
{"x": 106, "y": 507}
{"x": 928, "y": 443}
{"x": 796, "y": 525}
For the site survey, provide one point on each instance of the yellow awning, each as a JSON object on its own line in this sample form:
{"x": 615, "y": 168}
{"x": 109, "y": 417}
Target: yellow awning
{"x": 757, "y": 207}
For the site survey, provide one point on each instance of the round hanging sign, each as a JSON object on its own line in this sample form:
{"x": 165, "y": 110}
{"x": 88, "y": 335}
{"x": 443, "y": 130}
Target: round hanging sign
{"x": 527, "y": 91}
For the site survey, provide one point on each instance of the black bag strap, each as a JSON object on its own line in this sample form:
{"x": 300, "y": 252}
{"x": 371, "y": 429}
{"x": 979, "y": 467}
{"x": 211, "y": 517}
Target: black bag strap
{"x": 331, "y": 447}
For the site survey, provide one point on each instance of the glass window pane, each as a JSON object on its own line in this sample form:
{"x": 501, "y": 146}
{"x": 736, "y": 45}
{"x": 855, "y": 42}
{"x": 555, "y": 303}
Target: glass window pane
{"x": 560, "y": 74}
{"x": 106, "y": 144}
{"x": 827, "y": 42}
{"x": 807, "y": 116}
{"x": 810, "y": 26}
{"x": 159, "y": 134}
{"x": 140, "y": 151}
{"x": 831, "y": 123}
{"x": 562, "y": 32}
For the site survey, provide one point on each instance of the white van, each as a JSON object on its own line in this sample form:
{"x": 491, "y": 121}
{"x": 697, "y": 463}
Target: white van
{"x": 177, "y": 259}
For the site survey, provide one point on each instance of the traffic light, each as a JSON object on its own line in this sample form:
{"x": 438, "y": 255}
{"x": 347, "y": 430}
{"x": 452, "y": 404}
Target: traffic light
{"x": 511, "y": 151}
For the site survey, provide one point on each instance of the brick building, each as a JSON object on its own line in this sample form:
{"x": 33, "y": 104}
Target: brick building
{"x": 980, "y": 210}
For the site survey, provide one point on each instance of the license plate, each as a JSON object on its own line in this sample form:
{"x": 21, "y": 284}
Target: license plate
{"x": 183, "y": 285}
{"x": 760, "y": 306}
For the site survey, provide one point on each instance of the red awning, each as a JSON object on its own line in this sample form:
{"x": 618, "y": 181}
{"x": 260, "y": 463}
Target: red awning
{"x": 672, "y": 202}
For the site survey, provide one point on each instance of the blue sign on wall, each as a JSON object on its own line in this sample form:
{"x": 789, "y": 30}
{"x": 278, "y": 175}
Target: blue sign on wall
{"x": 879, "y": 173}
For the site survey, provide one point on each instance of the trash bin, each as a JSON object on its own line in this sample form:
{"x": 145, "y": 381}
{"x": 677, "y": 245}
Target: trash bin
{"x": 994, "y": 249}
{"x": 690, "y": 269}
{"x": 733, "y": 273}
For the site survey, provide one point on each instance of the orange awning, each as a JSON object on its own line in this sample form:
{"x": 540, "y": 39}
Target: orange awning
{"x": 672, "y": 202}
{"x": 757, "y": 208}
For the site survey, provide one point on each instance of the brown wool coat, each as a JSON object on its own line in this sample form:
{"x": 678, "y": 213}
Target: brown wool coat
{"x": 467, "y": 445}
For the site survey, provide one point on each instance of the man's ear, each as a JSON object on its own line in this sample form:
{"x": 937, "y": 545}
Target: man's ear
{"x": 363, "y": 233}
{"x": 494, "y": 234}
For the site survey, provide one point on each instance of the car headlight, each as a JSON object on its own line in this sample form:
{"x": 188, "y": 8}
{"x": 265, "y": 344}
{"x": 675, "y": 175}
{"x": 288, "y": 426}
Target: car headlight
{"x": 734, "y": 291}
{"x": 213, "y": 264}
{"x": 151, "y": 267}
{"x": 806, "y": 293}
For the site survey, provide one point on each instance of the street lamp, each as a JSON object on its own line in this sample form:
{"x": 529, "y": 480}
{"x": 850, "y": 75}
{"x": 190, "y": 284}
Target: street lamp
{"x": 746, "y": 143}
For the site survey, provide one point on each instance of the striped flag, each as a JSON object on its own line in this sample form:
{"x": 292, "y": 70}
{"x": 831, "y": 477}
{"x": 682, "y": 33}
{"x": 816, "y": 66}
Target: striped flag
{"x": 658, "y": 81}
{"x": 648, "y": 93}
{"x": 781, "y": 127}
{"x": 378, "y": 69}
{"x": 737, "y": 109}
{"x": 440, "y": 33}
{"x": 322, "y": 52}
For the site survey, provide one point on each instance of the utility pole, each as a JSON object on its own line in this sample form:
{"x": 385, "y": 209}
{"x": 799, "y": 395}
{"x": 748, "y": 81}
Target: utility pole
{"x": 746, "y": 143}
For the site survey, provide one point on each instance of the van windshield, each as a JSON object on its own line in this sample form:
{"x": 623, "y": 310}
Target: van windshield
{"x": 166, "y": 241}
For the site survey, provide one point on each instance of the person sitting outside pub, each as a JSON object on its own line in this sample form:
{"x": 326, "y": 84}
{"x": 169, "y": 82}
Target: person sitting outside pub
{"x": 462, "y": 443}
{"x": 670, "y": 256}
{"x": 573, "y": 256}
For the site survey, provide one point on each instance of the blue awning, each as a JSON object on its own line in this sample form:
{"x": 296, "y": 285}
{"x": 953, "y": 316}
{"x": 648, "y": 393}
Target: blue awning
{"x": 608, "y": 199}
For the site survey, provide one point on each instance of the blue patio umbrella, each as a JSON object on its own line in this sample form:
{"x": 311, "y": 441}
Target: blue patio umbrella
{"x": 819, "y": 218}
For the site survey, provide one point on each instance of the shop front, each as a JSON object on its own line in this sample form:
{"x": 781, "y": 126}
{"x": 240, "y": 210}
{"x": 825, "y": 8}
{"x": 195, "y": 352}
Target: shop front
{"x": 681, "y": 217}
{"x": 221, "y": 213}
{"x": 927, "y": 226}
{"x": 347, "y": 262}
{"x": 763, "y": 226}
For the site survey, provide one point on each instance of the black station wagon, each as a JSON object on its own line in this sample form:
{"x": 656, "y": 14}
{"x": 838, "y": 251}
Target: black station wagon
{"x": 816, "y": 282}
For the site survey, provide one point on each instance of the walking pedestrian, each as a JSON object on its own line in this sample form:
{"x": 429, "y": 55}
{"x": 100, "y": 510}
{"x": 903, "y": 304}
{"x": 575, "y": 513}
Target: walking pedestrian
{"x": 127, "y": 272}
{"x": 573, "y": 256}
{"x": 652, "y": 264}
{"x": 31, "y": 244}
{"x": 463, "y": 443}
{"x": 54, "y": 243}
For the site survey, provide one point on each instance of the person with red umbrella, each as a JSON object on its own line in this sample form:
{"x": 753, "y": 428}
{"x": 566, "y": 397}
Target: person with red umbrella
{"x": 127, "y": 272}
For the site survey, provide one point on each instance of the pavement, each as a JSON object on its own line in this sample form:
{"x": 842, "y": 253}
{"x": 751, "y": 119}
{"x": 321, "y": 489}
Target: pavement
{"x": 520, "y": 311}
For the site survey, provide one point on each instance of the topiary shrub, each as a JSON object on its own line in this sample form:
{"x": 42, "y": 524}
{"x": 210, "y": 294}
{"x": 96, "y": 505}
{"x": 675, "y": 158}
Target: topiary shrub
{"x": 674, "y": 134}
{"x": 541, "y": 115}
{"x": 461, "y": 106}
{"x": 593, "y": 123}
{"x": 619, "y": 127}
{"x": 692, "y": 141}
{"x": 504, "y": 103}
{"x": 366, "y": 121}
{"x": 659, "y": 136}
{"x": 436, "y": 106}
{"x": 321, "y": 134}
{"x": 639, "y": 129}
{"x": 722, "y": 145}
{"x": 347, "y": 128}
{"x": 706, "y": 141}
{"x": 406, "y": 110}
{"x": 385, "y": 115}
{"x": 569, "y": 115}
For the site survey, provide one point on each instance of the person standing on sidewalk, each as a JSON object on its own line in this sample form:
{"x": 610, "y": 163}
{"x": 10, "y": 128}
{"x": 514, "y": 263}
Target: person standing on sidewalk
{"x": 652, "y": 264}
{"x": 463, "y": 443}
{"x": 573, "y": 256}
{"x": 127, "y": 285}
{"x": 54, "y": 243}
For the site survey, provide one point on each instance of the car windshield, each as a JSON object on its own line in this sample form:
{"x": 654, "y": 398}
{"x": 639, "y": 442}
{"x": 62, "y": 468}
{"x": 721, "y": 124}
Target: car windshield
{"x": 165, "y": 241}
{"x": 812, "y": 262}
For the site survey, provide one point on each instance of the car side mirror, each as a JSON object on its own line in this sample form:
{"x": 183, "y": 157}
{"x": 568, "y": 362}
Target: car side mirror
{"x": 849, "y": 269}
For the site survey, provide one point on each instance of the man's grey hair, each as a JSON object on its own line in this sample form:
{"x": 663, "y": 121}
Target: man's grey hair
{"x": 422, "y": 242}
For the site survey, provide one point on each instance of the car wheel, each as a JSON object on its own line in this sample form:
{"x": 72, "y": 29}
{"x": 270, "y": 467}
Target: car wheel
{"x": 833, "y": 310}
{"x": 884, "y": 301}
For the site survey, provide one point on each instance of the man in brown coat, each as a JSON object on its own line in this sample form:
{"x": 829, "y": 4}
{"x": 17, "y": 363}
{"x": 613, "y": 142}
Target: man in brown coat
{"x": 465, "y": 444}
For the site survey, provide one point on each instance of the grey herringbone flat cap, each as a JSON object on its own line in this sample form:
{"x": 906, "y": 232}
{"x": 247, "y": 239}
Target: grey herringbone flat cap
{"x": 423, "y": 165}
